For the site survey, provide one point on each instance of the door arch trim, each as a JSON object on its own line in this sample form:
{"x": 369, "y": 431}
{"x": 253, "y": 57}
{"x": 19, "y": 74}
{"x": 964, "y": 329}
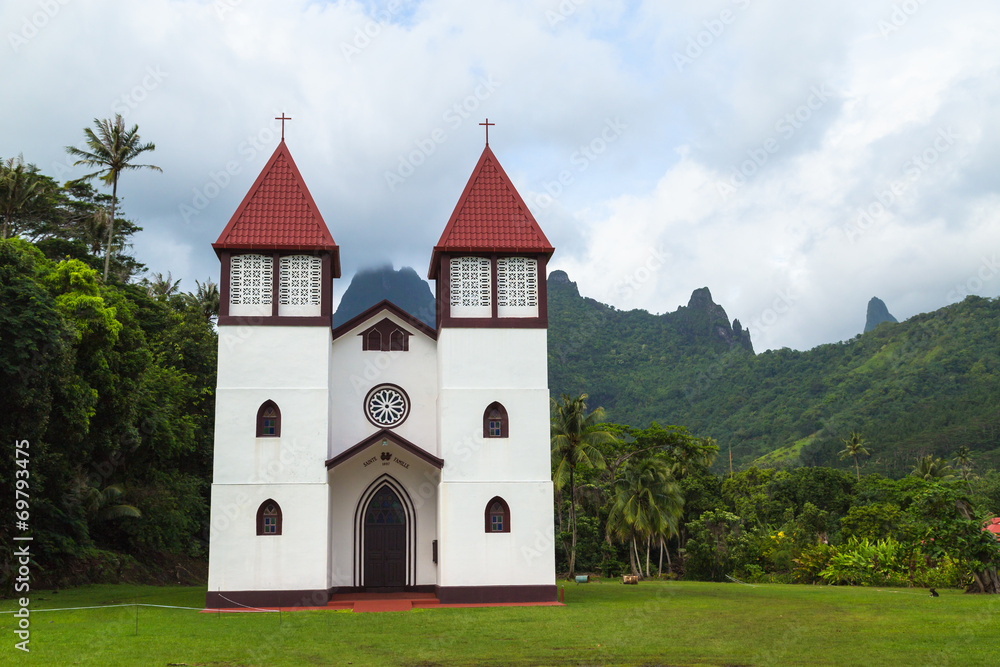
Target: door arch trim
{"x": 359, "y": 527}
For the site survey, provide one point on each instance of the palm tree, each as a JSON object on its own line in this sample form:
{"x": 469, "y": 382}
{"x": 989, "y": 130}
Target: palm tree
{"x": 854, "y": 446}
{"x": 22, "y": 193}
{"x": 933, "y": 470}
{"x": 963, "y": 461}
{"x": 112, "y": 149}
{"x": 575, "y": 437}
{"x": 162, "y": 286}
{"x": 647, "y": 504}
{"x": 206, "y": 299}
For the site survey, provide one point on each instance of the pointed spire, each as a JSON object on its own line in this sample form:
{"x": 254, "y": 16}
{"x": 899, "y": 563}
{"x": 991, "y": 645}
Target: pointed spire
{"x": 490, "y": 217}
{"x": 278, "y": 213}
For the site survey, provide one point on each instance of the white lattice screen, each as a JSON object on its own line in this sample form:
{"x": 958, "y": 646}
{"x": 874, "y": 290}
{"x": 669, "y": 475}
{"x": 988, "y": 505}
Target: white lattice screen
{"x": 470, "y": 282}
{"x": 299, "y": 280}
{"x": 250, "y": 278}
{"x": 517, "y": 282}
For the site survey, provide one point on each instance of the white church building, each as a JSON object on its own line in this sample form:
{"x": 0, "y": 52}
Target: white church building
{"x": 383, "y": 455}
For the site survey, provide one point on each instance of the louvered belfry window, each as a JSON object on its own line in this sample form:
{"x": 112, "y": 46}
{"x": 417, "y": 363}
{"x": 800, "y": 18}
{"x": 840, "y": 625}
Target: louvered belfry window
{"x": 517, "y": 287}
{"x": 471, "y": 286}
{"x": 299, "y": 280}
{"x": 250, "y": 278}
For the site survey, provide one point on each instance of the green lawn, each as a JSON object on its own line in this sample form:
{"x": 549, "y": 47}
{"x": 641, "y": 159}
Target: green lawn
{"x": 676, "y": 623}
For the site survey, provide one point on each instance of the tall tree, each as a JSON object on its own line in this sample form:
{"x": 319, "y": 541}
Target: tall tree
{"x": 24, "y": 194}
{"x": 647, "y": 504}
{"x": 963, "y": 461}
{"x": 931, "y": 469}
{"x": 854, "y": 446}
{"x": 112, "y": 149}
{"x": 576, "y": 435}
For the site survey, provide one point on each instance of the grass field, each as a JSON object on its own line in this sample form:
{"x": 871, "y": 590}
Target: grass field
{"x": 674, "y": 623}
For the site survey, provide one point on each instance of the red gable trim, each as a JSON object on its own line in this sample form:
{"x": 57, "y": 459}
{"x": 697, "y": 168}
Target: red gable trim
{"x": 387, "y": 435}
{"x": 379, "y": 307}
{"x": 490, "y": 240}
{"x": 288, "y": 235}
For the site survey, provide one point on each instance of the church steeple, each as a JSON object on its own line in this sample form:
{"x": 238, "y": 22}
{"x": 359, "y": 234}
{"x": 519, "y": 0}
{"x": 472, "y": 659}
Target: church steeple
{"x": 278, "y": 256}
{"x": 490, "y": 217}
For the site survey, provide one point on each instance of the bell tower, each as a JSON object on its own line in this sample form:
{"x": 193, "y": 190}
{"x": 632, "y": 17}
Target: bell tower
{"x": 493, "y": 396}
{"x": 270, "y": 493}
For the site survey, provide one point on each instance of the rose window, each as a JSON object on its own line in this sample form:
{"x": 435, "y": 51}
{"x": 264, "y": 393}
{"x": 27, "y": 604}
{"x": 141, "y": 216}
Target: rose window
{"x": 386, "y": 406}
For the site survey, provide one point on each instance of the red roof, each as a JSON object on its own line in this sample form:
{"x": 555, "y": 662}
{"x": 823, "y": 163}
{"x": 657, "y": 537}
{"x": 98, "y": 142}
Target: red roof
{"x": 490, "y": 217}
{"x": 993, "y": 526}
{"x": 278, "y": 213}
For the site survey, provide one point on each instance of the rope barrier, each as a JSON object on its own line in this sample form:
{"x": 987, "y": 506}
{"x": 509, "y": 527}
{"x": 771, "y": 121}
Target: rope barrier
{"x": 105, "y": 606}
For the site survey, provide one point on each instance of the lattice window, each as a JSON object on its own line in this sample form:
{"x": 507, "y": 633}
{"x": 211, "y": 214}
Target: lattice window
{"x": 470, "y": 281}
{"x": 250, "y": 278}
{"x": 517, "y": 282}
{"x": 299, "y": 280}
{"x": 497, "y": 516}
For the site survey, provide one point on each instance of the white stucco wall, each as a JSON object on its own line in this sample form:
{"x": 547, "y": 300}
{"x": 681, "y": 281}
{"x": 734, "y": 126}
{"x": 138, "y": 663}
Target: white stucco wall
{"x": 290, "y": 366}
{"x": 477, "y": 367}
{"x": 469, "y": 556}
{"x": 241, "y": 560}
{"x": 355, "y": 372}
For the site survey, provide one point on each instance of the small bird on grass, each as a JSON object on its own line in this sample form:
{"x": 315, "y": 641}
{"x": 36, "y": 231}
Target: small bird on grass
{"x": 934, "y": 593}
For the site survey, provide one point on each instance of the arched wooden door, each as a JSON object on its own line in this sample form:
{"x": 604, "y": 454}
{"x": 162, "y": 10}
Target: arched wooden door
{"x": 385, "y": 541}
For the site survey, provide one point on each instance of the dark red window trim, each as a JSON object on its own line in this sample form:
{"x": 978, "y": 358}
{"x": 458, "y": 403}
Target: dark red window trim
{"x": 260, "y": 518}
{"x": 262, "y": 427}
{"x": 495, "y": 412}
{"x": 505, "y": 515}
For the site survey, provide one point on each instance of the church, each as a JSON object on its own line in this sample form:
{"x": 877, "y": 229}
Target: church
{"x": 382, "y": 455}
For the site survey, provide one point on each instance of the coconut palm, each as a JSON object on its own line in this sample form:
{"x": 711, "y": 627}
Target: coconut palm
{"x": 23, "y": 193}
{"x": 963, "y": 461}
{"x": 647, "y": 505}
{"x": 854, "y": 446}
{"x": 162, "y": 286}
{"x": 112, "y": 149}
{"x": 205, "y": 299}
{"x": 933, "y": 470}
{"x": 576, "y": 435}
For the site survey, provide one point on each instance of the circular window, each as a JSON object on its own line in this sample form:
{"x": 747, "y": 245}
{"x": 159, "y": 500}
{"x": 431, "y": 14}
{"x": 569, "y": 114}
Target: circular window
{"x": 386, "y": 406}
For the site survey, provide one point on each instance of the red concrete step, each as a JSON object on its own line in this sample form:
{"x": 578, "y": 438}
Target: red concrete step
{"x": 362, "y": 606}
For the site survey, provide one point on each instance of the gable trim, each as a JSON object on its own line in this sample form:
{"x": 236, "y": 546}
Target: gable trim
{"x": 392, "y": 308}
{"x": 387, "y": 435}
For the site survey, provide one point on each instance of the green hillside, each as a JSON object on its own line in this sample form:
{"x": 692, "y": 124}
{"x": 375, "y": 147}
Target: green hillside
{"x": 924, "y": 386}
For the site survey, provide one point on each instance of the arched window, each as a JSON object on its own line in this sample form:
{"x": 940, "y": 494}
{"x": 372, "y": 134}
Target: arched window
{"x": 495, "y": 421}
{"x": 269, "y": 518}
{"x": 396, "y": 341}
{"x": 497, "y": 516}
{"x": 268, "y": 420}
{"x": 374, "y": 340}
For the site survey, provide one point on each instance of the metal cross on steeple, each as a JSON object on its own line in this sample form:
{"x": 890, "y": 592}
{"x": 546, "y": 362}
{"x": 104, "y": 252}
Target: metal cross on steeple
{"x": 283, "y": 118}
{"x": 487, "y": 124}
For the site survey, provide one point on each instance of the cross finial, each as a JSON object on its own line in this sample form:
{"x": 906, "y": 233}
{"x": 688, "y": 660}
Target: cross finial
{"x": 282, "y": 118}
{"x": 487, "y": 124}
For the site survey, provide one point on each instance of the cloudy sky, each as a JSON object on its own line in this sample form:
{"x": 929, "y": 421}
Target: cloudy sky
{"x": 795, "y": 157}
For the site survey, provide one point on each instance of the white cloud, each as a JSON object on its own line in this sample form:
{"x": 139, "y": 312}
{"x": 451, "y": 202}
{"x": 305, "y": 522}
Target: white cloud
{"x": 367, "y": 87}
